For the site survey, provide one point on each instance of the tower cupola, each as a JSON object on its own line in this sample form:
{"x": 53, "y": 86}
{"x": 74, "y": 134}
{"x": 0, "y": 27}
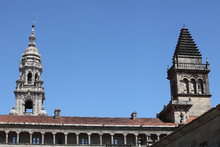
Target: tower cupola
{"x": 29, "y": 91}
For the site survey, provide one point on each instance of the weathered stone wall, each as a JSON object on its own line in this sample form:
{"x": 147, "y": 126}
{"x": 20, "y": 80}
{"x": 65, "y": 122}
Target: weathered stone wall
{"x": 200, "y": 105}
{"x": 209, "y": 132}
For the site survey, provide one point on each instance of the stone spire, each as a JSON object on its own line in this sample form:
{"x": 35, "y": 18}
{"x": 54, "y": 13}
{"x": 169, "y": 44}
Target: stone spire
{"x": 29, "y": 91}
{"x": 186, "y": 47}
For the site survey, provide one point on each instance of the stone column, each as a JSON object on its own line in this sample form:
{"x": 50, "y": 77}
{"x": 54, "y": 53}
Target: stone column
{"x": 65, "y": 138}
{"x": 42, "y": 138}
{"x": 18, "y": 137}
{"x": 54, "y": 138}
{"x": 30, "y": 138}
{"x": 125, "y": 139}
{"x": 77, "y": 139}
{"x": 6, "y": 137}
{"x": 136, "y": 139}
{"x": 89, "y": 139}
{"x": 100, "y": 139}
{"x": 112, "y": 138}
{"x": 158, "y": 137}
{"x": 147, "y": 139}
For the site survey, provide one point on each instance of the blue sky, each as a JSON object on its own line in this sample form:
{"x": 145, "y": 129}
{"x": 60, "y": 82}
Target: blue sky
{"x": 105, "y": 58}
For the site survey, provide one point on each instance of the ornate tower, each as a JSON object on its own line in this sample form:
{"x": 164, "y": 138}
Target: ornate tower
{"x": 29, "y": 91}
{"x": 189, "y": 82}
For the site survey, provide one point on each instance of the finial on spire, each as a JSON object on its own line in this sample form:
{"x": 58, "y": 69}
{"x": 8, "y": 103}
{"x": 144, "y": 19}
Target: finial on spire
{"x": 184, "y": 26}
{"x": 33, "y": 24}
{"x": 32, "y": 36}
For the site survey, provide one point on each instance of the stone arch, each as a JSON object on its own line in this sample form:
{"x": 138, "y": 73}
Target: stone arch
{"x": 12, "y": 137}
{"x": 60, "y": 138}
{"x": 200, "y": 86}
{"x": 131, "y": 139}
{"x": 29, "y": 78}
{"x": 193, "y": 82}
{"x": 162, "y": 136}
{"x": 142, "y": 139}
{"x": 36, "y": 76}
{"x": 71, "y": 138}
{"x": 28, "y": 106}
{"x": 153, "y": 137}
{"x": 186, "y": 85}
{"x": 83, "y": 138}
{"x": 95, "y": 139}
{"x": 24, "y": 137}
{"x": 2, "y": 137}
{"x": 106, "y": 139}
{"x": 48, "y": 138}
{"x": 118, "y": 139}
{"x": 36, "y": 138}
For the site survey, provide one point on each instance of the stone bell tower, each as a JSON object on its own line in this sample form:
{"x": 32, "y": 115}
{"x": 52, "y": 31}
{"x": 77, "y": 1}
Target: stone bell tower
{"x": 29, "y": 91}
{"x": 189, "y": 82}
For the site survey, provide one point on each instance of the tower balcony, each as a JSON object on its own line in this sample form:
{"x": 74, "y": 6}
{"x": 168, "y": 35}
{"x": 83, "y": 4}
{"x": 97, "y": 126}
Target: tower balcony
{"x": 191, "y": 66}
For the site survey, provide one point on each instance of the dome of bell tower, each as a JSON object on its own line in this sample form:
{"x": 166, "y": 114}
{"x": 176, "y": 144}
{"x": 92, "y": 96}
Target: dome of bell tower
{"x": 29, "y": 91}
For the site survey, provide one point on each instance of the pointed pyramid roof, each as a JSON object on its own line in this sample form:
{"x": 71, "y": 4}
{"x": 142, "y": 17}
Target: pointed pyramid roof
{"x": 186, "y": 47}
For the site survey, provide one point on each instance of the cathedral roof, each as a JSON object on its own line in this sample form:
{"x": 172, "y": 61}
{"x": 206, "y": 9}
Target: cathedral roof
{"x": 186, "y": 45}
{"x": 84, "y": 121}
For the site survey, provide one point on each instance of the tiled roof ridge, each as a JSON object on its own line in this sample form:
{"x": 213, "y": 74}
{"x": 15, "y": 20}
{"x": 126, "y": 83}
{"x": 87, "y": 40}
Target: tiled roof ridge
{"x": 80, "y": 117}
{"x": 81, "y": 120}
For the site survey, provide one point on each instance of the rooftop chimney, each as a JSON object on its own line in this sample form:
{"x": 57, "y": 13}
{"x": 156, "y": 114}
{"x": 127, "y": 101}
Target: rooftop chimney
{"x": 133, "y": 115}
{"x": 57, "y": 113}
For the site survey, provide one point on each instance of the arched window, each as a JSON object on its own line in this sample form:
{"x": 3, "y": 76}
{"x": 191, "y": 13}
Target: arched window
{"x": 186, "y": 85}
{"x": 200, "y": 86}
{"x": 193, "y": 81}
{"x": 36, "y": 76}
{"x": 29, "y": 107}
{"x": 29, "y": 78}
